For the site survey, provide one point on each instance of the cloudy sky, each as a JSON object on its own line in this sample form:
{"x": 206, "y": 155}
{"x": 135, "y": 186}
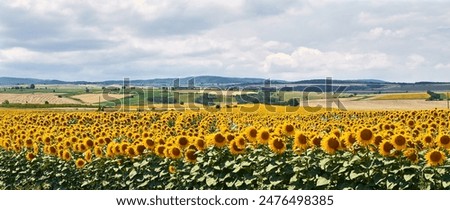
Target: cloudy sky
{"x": 88, "y": 40}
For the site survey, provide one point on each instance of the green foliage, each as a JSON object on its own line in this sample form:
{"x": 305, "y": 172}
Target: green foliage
{"x": 216, "y": 168}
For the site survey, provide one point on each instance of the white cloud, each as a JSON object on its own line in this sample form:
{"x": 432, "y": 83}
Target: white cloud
{"x": 380, "y": 32}
{"x": 414, "y": 61}
{"x": 373, "y": 19}
{"x": 442, "y": 66}
{"x": 308, "y": 59}
{"x": 230, "y": 38}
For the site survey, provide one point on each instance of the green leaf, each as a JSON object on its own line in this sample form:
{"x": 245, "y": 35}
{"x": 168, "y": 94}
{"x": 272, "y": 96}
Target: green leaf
{"x": 446, "y": 185}
{"x": 323, "y": 163}
{"x": 408, "y": 177}
{"x": 354, "y": 175}
{"x": 211, "y": 181}
{"x": 132, "y": 173}
{"x": 237, "y": 168}
{"x": 238, "y": 183}
{"x": 195, "y": 169}
{"x": 322, "y": 181}
{"x": 229, "y": 163}
{"x": 429, "y": 176}
{"x": 293, "y": 180}
{"x": 246, "y": 163}
{"x": 105, "y": 183}
{"x": 270, "y": 167}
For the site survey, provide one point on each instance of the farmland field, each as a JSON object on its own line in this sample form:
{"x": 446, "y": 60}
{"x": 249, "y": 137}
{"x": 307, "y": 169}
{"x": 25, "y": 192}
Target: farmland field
{"x": 251, "y": 148}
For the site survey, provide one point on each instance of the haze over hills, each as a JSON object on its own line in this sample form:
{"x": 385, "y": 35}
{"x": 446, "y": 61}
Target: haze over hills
{"x": 361, "y": 85}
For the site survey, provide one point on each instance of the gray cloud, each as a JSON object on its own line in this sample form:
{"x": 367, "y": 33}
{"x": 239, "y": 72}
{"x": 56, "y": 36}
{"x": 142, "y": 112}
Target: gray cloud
{"x": 294, "y": 40}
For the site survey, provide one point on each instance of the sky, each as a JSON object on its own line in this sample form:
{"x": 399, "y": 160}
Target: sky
{"x": 392, "y": 40}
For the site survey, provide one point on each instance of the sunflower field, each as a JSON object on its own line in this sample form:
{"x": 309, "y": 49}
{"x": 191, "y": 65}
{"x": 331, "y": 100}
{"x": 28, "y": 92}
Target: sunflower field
{"x": 224, "y": 150}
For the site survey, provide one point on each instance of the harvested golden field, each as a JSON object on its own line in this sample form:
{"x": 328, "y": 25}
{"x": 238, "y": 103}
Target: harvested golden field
{"x": 401, "y": 96}
{"x": 363, "y": 105}
{"x": 95, "y": 98}
{"x": 36, "y": 98}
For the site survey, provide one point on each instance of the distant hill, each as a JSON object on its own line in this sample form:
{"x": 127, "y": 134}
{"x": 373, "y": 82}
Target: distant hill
{"x": 355, "y": 86}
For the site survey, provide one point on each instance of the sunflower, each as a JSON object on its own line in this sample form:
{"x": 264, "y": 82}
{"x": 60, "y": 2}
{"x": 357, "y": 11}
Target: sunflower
{"x": 110, "y": 149}
{"x": 336, "y": 132}
{"x": 98, "y": 152}
{"x": 399, "y": 142}
{"x": 385, "y": 148}
{"x": 160, "y": 150}
{"x": 175, "y": 152}
{"x": 301, "y": 140}
{"x": 235, "y": 149}
{"x": 140, "y": 148}
{"x": 240, "y": 141}
{"x": 123, "y": 148}
{"x": 288, "y": 129}
{"x": 200, "y": 144}
{"x": 427, "y": 140}
{"x": 79, "y": 163}
{"x": 149, "y": 143}
{"x": 52, "y": 150}
{"x": 443, "y": 141}
{"x": 411, "y": 154}
{"x": 66, "y": 155}
{"x": 229, "y": 137}
{"x": 219, "y": 140}
{"x": 29, "y": 143}
{"x": 88, "y": 143}
{"x": 365, "y": 136}
{"x": 263, "y": 136}
{"x": 172, "y": 169}
{"x": 349, "y": 139}
{"x": 131, "y": 151}
{"x": 251, "y": 133}
{"x": 435, "y": 157}
{"x": 330, "y": 144}
{"x": 182, "y": 141}
{"x": 88, "y": 155}
{"x": 190, "y": 156}
{"x": 30, "y": 156}
{"x": 277, "y": 145}
{"x": 35, "y": 148}
{"x": 316, "y": 141}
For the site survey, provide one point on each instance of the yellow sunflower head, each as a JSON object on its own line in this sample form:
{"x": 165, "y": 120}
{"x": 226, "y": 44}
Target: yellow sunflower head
{"x": 200, "y": 143}
{"x": 301, "y": 140}
{"x": 365, "y": 136}
{"x": 411, "y": 154}
{"x": 288, "y": 129}
{"x": 399, "y": 142}
{"x": 435, "y": 157}
{"x": 175, "y": 152}
{"x": 427, "y": 140}
{"x": 182, "y": 141}
{"x": 235, "y": 149}
{"x": 190, "y": 156}
{"x": 330, "y": 144}
{"x": 30, "y": 156}
{"x": 172, "y": 169}
{"x": 277, "y": 145}
{"x": 443, "y": 141}
{"x": 251, "y": 133}
{"x": 263, "y": 136}
{"x": 385, "y": 148}
{"x": 79, "y": 163}
{"x": 219, "y": 140}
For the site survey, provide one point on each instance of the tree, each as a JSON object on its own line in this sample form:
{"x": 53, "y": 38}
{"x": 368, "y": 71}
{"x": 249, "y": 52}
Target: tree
{"x": 293, "y": 102}
{"x": 32, "y": 86}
